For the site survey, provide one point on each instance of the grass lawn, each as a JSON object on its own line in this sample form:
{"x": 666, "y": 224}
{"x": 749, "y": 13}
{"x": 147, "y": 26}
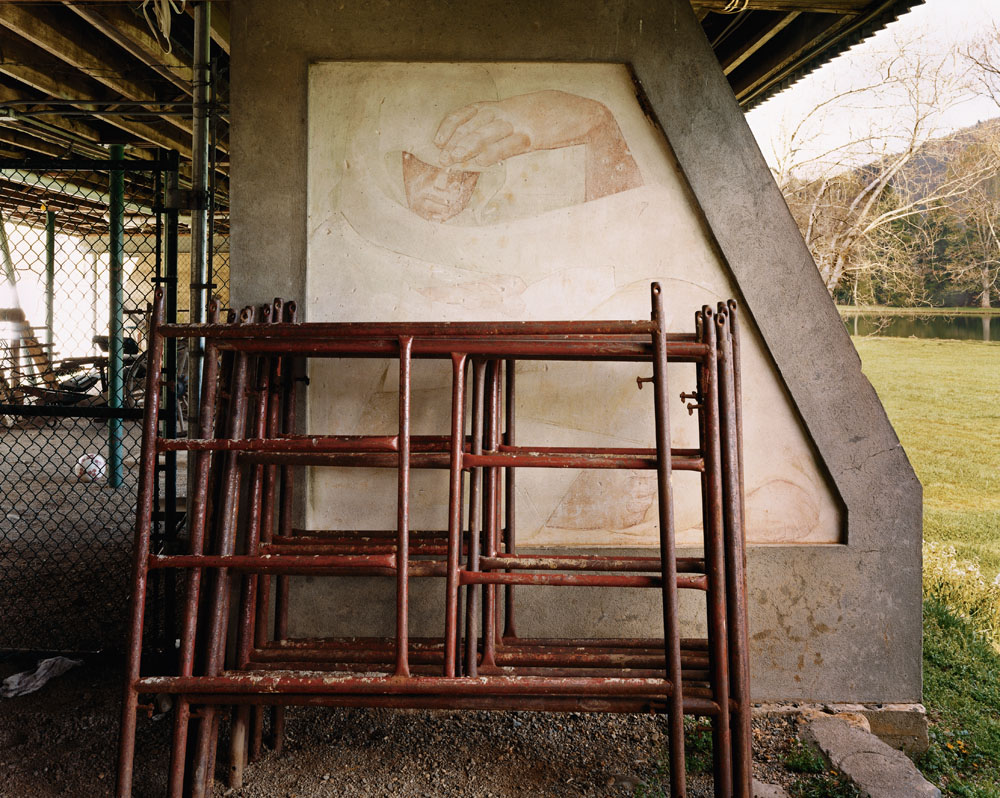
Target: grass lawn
{"x": 943, "y": 397}
{"x": 962, "y": 694}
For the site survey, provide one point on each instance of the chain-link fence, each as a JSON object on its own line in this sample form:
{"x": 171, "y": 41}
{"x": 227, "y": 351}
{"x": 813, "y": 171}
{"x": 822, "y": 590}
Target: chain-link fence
{"x": 83, "y": 246}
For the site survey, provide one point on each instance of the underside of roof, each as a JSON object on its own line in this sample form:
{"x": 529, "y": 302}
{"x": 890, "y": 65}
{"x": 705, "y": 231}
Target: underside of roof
{"x": 78, "y": 75}
{"x": 773, "y": 43}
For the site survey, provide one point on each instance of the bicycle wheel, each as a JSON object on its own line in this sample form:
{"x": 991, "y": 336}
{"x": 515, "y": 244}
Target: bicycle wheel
{"x": 135, "y": 382}
{"x": 135, "y": 386}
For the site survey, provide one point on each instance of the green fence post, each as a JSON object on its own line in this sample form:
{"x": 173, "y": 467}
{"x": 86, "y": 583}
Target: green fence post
{"x": 116, "y": 394}
{"x": 50, "y": 280}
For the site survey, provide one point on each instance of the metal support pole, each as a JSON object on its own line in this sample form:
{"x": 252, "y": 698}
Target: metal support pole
{"x": 116, "y": 394}
{"x": 169, "y": 268}
{"x": 95, "y": 297}
{"x": 50, "y": 278}
{"x": 201, "y": 101}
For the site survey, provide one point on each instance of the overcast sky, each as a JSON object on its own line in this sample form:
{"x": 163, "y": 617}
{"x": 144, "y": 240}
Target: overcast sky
{"x": 938, "y": 27}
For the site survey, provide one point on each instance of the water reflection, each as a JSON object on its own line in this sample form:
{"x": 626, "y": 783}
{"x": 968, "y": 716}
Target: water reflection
{"x": 968, "y": 328}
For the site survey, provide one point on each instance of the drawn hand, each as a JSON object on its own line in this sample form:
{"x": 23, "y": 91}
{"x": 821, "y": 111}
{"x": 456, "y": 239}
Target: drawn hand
{"x": 486, "y": 133}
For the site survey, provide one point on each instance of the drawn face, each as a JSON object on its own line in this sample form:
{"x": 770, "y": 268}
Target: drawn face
{"x": 435, "y": 193}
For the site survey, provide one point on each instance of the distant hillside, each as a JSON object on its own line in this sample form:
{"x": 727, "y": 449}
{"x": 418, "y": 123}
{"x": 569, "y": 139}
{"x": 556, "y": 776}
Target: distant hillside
{"x": 931, "y": 165}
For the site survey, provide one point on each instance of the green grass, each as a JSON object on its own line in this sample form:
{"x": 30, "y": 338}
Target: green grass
{"x": 962, "y": 693}
{"x": 802, "y": 758}
{"x": 943, "y": 397}
{"x": 829, "y": 785}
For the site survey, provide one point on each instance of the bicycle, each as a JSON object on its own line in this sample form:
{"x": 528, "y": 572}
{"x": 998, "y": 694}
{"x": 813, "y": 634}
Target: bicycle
{"x": 135, "y": 385}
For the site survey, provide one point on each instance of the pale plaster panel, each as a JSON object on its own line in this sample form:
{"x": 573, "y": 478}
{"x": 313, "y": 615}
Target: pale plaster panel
{"x": 530, "y": 242}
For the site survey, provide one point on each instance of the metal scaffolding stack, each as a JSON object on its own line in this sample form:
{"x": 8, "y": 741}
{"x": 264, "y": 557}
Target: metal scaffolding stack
{"x": 242, "y": 543}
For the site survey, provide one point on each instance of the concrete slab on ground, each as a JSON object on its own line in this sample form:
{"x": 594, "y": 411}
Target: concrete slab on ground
{"x": 877, "y": 769}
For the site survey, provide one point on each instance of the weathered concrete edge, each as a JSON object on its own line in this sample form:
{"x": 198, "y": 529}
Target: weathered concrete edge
{"x": 877, "y": 618}
{"x": 878, "y": 770}
{"x": 788, "y": 300}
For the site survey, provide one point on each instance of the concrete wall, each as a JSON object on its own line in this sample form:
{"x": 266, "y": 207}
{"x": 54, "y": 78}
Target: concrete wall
{"x": 838, "y": 622}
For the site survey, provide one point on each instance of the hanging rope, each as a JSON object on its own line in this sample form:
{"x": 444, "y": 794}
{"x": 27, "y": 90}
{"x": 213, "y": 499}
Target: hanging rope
{"x": 736, "y": 6}
{"x": 159, "y": 22}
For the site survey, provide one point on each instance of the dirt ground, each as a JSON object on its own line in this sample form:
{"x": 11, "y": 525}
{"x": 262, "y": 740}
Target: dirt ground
{"x": 61, "y": 741}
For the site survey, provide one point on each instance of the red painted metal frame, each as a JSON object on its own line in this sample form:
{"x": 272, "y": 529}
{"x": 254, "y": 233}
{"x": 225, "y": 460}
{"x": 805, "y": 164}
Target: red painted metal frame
{"x": 248, "y": 445}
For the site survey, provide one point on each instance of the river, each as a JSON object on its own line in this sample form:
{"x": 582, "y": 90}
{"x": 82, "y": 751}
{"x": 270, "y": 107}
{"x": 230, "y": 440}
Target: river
{"x": 966, "y": 327}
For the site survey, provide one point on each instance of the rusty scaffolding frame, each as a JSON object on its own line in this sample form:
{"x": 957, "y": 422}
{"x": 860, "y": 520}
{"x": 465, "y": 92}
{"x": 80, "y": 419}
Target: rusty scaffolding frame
{"x": 242, "y": 540}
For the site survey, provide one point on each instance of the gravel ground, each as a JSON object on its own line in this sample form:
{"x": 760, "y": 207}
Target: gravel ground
{"x": 61, "y": 741}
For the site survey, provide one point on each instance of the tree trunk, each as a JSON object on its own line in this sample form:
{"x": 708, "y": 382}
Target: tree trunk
{"x": 984, "y": 298}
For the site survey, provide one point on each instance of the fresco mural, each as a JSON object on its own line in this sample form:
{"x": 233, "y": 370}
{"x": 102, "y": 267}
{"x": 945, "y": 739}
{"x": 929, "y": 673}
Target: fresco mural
{"x": 524, "y": 191}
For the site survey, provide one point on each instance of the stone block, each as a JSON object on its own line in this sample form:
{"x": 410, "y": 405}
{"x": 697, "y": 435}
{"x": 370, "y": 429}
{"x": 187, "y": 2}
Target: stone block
{"x": 903, "y": 726}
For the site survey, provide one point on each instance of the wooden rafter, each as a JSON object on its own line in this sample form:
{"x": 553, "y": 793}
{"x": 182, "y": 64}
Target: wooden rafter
{"x": 132, "y": 35}
{"x": 733, "y": 56}
{"x": 92, "y": 56}
{"x": 813, "y": 7}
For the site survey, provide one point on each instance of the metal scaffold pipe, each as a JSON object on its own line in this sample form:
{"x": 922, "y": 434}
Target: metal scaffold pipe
{"x": 116, "y": 393}
{"x": 201, "y": 82}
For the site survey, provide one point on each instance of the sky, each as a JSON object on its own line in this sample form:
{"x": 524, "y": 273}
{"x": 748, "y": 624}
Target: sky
{"x": 939, "y": 29}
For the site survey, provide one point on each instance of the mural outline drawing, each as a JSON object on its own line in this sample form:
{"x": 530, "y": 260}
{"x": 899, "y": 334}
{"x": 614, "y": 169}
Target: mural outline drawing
{"x": 510, "y": 191}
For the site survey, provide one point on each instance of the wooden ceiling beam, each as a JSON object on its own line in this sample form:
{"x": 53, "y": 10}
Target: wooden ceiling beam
{"x": 124, "y": 29}
{"x": 732, "y": 58}
{"x": 16, "y": 137}
{"x": 83, "y": 196}
{"x": 796, "y": 43}
{"x": 71, "y": 128}
{"x": 76, "y": 189}
{"x": 16, "y": 194}
{"x": 44, "y": 72}
{"x": 5, "y": 153}
{"x": 807, "y": 6}
{"x": 41, "y": 27}
{"x": 36, "y": 68}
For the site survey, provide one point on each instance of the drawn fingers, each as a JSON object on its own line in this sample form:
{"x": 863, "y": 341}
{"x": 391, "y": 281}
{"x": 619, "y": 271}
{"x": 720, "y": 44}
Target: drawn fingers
{"x": 507, "y": 147}
{"x": 451, "y": 122}
{"x": 474, "y": 138}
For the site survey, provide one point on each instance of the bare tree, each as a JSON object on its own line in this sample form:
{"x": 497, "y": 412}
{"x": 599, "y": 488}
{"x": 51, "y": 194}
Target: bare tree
{"x": 851, "y": 200}
{"x": 974, "y": 262}
{"x": 983, "y": 57}
{"x": 982, "y": 263}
